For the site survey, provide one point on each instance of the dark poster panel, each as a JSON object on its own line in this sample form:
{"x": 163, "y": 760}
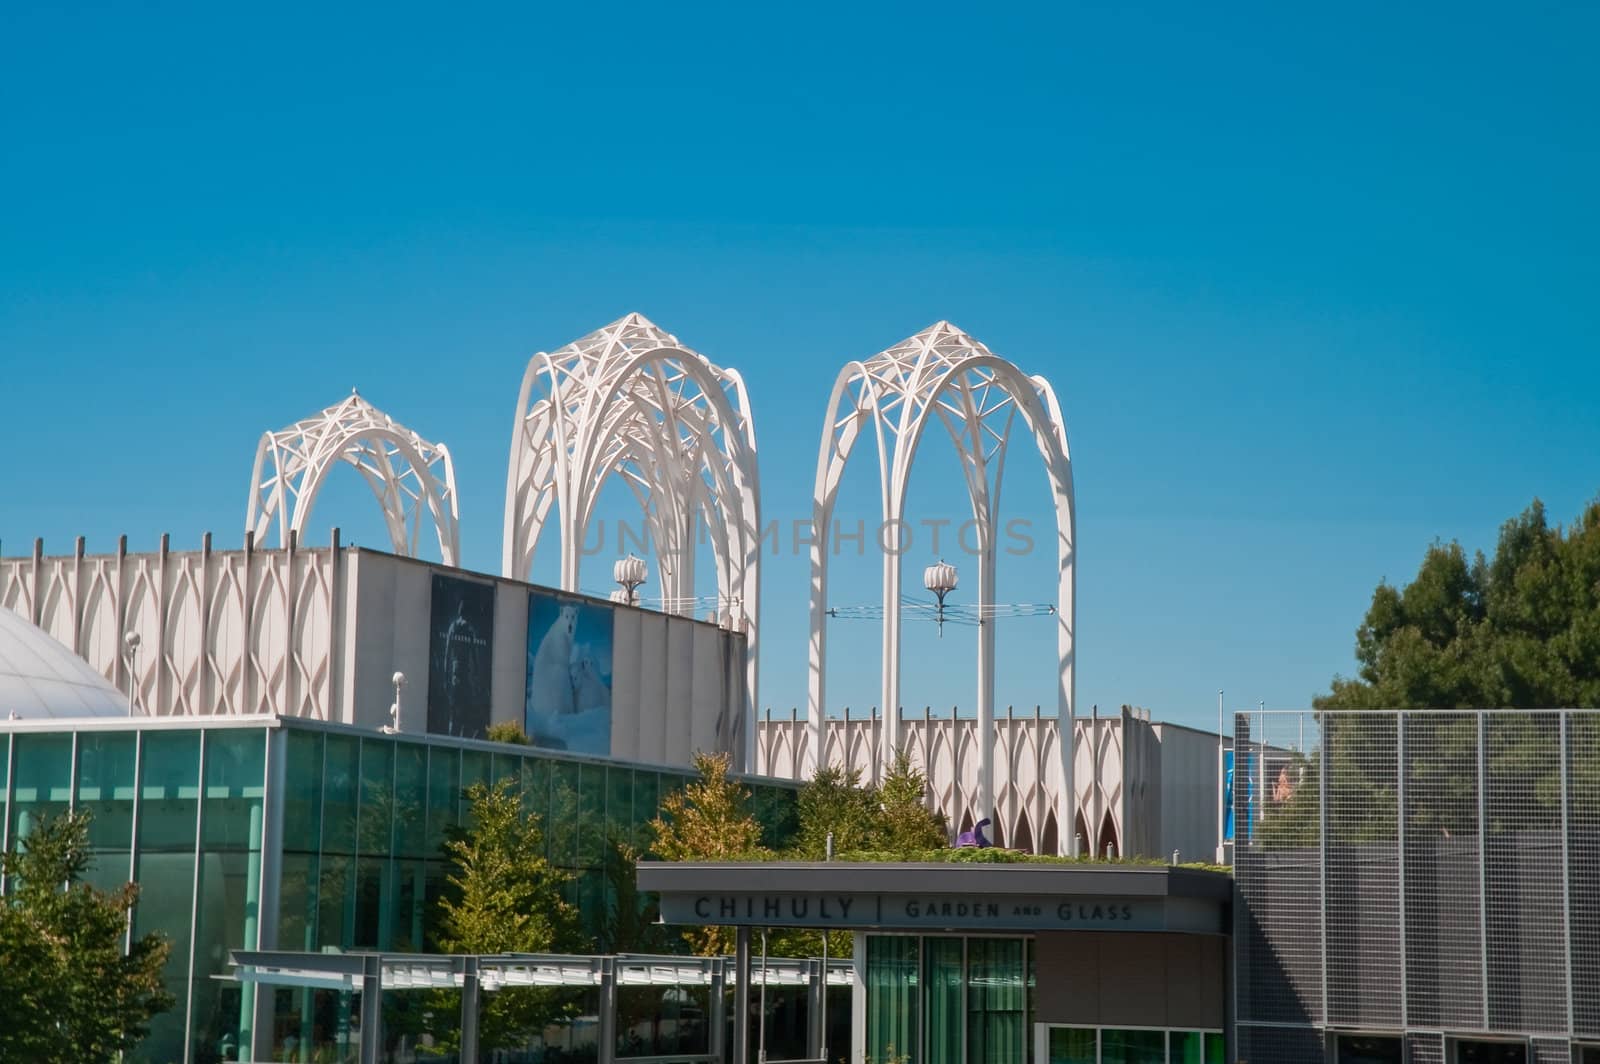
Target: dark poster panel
{"x": 568, "y": 703}
{"x": 461, "y": 636}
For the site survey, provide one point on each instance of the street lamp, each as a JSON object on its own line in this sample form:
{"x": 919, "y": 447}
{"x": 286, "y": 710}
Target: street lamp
{"x": 629, "y": 572}
{"x": 399, "y": 681}
{"x": 130, "y": 651}
{"x": 941, "y": 579}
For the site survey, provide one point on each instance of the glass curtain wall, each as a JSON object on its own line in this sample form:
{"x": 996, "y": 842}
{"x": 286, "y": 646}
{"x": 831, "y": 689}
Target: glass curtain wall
{"x": 1109, "y": 1045}
{"x": 948, "y": 999}
{"x": 183, "y": 811}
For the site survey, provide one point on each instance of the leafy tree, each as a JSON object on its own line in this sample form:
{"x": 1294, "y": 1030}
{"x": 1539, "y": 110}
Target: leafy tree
{"x": 1519, "y": 630}
{"x": 709, "y": 820}
{"x": 68, "y": 991}
{"x": 506, "y": 897}
{"x": 508, "y": 731}
{"x": 629, "y": 925}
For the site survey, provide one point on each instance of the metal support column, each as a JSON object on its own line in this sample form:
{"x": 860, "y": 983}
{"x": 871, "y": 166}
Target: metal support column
{"x": 608, "y": 1010}
{"x": 741, "y": 996}
{"x": 469, "y": 1010}
{"x": 1329, "y": 727}
{"x": 719, "y": 1009}
{"x": 816, "y": 994}
{"x": 371, "y": 1009}
{"x": 1566, "y": 872}
{"x": 1483, "y": 860}
{"x": 1400, "y": 850}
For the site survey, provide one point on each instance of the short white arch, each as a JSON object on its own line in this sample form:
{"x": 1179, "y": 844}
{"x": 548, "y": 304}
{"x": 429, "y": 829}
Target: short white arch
{"x": 405, "y": 472}
{"x": 630, "y": 400}
{"x": 943, "y": 373}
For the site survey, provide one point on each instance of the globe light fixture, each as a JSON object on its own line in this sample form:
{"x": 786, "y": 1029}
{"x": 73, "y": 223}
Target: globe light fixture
{"x": 629, "y": 573}
{"x": 941, "y": 579}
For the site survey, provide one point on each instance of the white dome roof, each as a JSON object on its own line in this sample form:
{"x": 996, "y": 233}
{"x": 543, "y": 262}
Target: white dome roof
{"x": 41, "y": 678}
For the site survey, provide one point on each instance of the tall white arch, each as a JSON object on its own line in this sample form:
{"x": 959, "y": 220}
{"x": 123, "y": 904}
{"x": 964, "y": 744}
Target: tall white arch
{"x": 405, "y": 472}
{"x": 945, "y": 374}
{"x": 630, "y": 400}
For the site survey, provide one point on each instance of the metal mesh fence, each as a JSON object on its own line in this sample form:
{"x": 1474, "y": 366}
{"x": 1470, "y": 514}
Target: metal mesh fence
{"x": 1417, "y": 872}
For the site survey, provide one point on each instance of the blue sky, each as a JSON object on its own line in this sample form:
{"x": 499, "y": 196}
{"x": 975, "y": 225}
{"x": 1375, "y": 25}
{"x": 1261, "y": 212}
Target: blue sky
{"x": 1315, "y": 287}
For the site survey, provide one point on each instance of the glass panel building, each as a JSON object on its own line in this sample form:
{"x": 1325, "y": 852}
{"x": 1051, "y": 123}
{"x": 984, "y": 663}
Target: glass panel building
{"x": 280, "y": 833}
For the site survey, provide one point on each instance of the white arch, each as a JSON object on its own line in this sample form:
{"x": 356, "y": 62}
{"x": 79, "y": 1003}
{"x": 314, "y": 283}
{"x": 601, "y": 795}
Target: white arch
{"x": 629, "y": 400}
{"x": 946, "y": 373}
{"x": 404, "y": 471}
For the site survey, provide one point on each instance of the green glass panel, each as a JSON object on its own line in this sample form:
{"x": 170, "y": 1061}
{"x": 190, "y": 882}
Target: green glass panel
{"x": 336, "y": 901}
{"x": 410, "y": 782}
{"x": 536, "y": 788}
{"x": 225, "y": 919}
{"x": 444, "y": 796}
{"x": 592, "y": 812}
{"x": 341, "y": 761}
{"x": 5, "y": 781}
{"x": 892, "y": 996}
{"x": 377, "y": 797}
{"x": 995, "y": 999}
{"x": 619, "y": 803}
{"x": 169, "y": 791}
{"x": 945, "y": 981}
{"x": 297, "y": 902}
{"x": 408, "y": 904}
{"x": 1072, "y": 1045}
{"x": 235, "y": 767}
{"x": 302, "y": 792}
{"x": 106, "y": 763}
{"x": 166, "y": 902}
{"x": 646, "y": 805}
{"x": 43, "y": 784}
{"x": 507, "y": 767}
{"x": 374, "y": 899}
{"x": 561, "y": 830}
{"x": 474, "y": 769}
{"x": 1216, "y": 1050}
{"x": 1133, "y": 1047}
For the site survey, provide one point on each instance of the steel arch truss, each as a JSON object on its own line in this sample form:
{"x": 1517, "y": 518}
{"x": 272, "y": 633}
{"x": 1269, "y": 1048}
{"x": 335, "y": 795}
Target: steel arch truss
{"x": 406, "y": 473}
{"x": 629, "y": 400}
{"x": 941, "y": 375}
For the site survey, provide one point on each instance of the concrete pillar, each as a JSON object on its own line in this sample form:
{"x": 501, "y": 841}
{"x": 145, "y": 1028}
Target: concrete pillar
{"x": 608, "y": 1010}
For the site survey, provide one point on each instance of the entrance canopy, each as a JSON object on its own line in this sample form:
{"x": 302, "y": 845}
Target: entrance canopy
{"x": 941, "y": 897}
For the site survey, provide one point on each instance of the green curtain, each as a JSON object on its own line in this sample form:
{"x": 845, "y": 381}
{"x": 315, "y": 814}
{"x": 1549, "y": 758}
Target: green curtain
{"x": 892, "y": 997}
{"x": 1072, "y": 1045}
{"x": 942, "y": 975}
{"x": 996, "y": 1001}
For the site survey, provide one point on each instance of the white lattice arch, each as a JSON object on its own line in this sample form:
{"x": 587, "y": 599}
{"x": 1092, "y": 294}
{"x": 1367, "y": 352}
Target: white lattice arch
{"x": 629, "y": 400}
{"x": 947, "y": 374}
{"x": 405, "y": 472}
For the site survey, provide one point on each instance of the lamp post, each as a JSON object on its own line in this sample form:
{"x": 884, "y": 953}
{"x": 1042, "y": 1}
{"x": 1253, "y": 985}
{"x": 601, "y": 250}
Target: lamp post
{"x": 941, "y": 579}
{"x": 629, "y": 573}
{"x": 130, "y": 651}
{"x": 399, "y": 681}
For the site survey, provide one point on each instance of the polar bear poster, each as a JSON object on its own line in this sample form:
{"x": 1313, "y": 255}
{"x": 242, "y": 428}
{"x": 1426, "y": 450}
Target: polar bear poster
{"x": 568, "y": 692}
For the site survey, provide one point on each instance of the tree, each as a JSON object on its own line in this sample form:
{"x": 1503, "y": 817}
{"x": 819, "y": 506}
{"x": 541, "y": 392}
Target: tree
{"x": 68, "y": 991}
{"x": 508, "y": 731}
{"x": 506, "y": 897}
{"x": 709, "y": 820}
{"x": 1520, "y": 630}
{"x": 833, "y": 802}
{"x": 909, "y": 826}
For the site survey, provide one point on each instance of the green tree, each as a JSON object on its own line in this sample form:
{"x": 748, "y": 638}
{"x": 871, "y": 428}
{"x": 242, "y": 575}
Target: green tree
{"x": 833, "y": 802}
{"x": 68, "y": 991}
{"x": 709, "y": 820}
{"x": 505, "y": 897}
{"x": 1518, "y": 630}
{"x": 909, "y": 826}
